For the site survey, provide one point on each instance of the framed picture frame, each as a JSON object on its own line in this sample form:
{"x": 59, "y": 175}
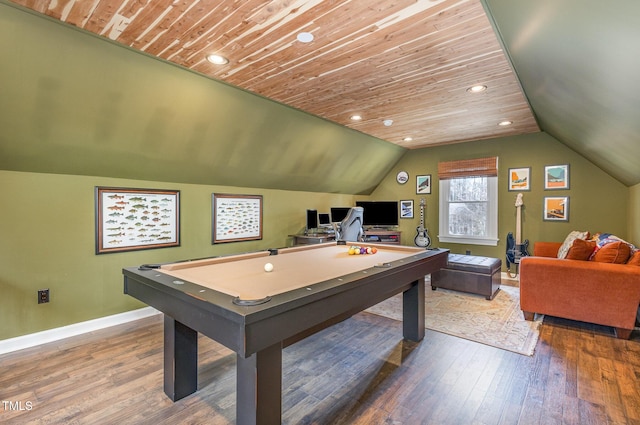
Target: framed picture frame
{"x": 423, "y": 184}
{"x": 556, "y": 208}
{"x": 556, "y": 177}
{"x": 519, "y": 179}
{"x": 236, "y": 218}
{"x": 406, "y": 208}
{"x": 135, "y": 219}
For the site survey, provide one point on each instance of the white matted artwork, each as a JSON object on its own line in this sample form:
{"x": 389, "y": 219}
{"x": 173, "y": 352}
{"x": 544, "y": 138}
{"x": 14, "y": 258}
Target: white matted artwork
{"x": 236, "y": 217}
{"x": 519, "y": 179}
{"x": 556, "y": 177}
{"x": 423, "y": 184}
{"x": 406, "y": 209}
{"x": 556, "y": 208}
{"x": 133, "y": 219}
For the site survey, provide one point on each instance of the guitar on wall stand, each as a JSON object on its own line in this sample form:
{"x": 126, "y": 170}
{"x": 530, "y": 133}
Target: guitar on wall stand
{"x": 422, "y": 239}
{"x": 516, "y": 249}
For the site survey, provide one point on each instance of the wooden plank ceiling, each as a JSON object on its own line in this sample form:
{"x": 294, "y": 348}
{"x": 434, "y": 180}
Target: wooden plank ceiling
{"x": 407, "y": 61}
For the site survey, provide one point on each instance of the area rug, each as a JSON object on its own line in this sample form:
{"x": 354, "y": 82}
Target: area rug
{"x": 498, "y": 323}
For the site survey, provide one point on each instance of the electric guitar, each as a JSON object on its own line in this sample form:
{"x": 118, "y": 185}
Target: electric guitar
{"x": 516, "y": 249}
{"x": 422, "y": 239}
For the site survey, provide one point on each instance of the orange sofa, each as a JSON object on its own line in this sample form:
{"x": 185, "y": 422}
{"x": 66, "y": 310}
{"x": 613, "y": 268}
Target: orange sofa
{"x": 602, "y": 293}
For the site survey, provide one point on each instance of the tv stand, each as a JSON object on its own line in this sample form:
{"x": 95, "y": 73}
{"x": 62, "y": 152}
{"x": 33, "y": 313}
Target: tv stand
{"x": 392, "y": 237}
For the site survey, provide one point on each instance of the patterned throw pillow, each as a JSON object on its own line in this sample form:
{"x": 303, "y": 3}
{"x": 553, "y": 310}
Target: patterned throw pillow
{"x": 566, "y": 245}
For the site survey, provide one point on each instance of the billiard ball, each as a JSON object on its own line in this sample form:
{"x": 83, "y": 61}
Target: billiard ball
{"x": 268, "y": 267}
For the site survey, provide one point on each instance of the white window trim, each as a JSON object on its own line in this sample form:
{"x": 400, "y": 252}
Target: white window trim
{"x": 492, "y": 205}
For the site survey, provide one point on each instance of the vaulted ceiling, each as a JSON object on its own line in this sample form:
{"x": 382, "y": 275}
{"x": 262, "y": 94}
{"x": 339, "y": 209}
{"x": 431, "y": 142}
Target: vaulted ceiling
{"x": 406, "y": 61}
{"x": 564, "y": 67}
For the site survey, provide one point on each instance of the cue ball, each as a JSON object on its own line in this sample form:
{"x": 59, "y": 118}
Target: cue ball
{"x": 268, "y": 267}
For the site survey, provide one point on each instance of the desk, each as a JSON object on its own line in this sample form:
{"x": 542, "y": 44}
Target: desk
{"x": 313, "y": 238}
{"x": 310, "y": 288}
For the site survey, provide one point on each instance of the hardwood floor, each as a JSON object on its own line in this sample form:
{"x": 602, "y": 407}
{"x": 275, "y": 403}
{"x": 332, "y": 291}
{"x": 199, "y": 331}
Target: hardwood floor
{"x": 359, "y": 371}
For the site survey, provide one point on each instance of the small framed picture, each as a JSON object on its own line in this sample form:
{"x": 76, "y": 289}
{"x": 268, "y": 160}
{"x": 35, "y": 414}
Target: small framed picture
{"x": 406, "y": 209}
{"x": 556, "y": 177}
{"x": 423, "y": 184}
{"x": 519, "y": 179}
{"x": 556, "y": 208}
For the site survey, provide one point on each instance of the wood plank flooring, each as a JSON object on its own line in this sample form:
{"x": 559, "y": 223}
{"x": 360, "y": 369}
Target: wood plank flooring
{"x": 359, "y": 371}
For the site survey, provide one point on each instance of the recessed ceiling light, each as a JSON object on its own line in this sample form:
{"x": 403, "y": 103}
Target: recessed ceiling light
{"x": 387, "y": 123}
{"x": 477, "y": 89}
{"x": 407, "y": 139}
{"x": 305, "y": 37}
{"x": 356, "y": 117}
{"x": 217, "y": 59}
{"x": 505, "y": 123}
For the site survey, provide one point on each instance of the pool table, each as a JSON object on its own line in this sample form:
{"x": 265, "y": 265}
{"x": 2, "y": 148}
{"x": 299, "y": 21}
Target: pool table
{"x": 234, "y": 301}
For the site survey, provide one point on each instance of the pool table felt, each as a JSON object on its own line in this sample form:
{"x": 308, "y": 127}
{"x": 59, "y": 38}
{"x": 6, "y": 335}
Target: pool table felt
{"x": 244, "y": 276}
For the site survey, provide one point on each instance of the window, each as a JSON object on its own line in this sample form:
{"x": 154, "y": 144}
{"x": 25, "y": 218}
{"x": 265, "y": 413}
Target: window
{"x": 469, "y": 202}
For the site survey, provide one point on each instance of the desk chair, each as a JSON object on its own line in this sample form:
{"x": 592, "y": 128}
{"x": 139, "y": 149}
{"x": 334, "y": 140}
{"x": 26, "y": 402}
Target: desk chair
{"x": 350, "y": 229}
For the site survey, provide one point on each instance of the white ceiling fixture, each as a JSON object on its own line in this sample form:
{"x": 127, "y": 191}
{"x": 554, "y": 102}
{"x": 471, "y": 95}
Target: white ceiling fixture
{"x": 477, "y": 89}
{"x": 305, "y": 37}
{"x": 217, "y": 59}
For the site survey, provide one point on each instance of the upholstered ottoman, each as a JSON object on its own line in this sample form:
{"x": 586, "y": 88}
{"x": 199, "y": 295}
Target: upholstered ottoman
{"x": 469, "y": 273}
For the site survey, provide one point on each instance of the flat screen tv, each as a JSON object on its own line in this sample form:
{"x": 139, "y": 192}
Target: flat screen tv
{"x": 339, "y": 213}
{"x": 379, "y": 213}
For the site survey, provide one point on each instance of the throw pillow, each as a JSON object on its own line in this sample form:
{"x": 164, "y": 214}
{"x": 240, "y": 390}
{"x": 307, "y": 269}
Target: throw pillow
{"x": 581, "y": 250}
{"x": 566, "y": 245}
{"x": 614, "y": 252}
{"x": 635, "y": 259}
{"x": 604, "y": 239}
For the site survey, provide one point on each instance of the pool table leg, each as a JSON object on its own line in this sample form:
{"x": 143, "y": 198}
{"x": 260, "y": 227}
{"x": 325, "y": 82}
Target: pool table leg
{"x": 180, "y": 359}
{"x": 413, "y": 311}
{"x": 259, "y": 387}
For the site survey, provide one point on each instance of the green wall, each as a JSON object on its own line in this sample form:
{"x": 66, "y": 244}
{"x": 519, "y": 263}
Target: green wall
{"x": 597, "y": 202}
{"x": 74, "y": 103}
{"x": 48, "y": 241}
{"x": 634, "y": 213}
{"x": 48, "y": 231}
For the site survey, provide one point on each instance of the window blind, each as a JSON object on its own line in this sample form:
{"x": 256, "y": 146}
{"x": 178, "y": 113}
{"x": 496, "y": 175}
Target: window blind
{"x": 479, "y": 167}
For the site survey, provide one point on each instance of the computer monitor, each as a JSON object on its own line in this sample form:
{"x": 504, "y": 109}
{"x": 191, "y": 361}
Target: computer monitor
{"x": 324, "y": 220}
{"x": 312, "y": 219}
{"x": 339, "y": 213}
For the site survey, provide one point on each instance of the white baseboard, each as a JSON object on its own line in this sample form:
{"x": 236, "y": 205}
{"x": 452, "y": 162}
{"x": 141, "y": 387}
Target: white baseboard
{"x": 51, "y": 335}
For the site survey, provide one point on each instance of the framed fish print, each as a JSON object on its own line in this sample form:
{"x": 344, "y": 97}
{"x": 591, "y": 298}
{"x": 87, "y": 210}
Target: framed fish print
{"x": 236, "y": 217}
{"x": 134, "y": 219}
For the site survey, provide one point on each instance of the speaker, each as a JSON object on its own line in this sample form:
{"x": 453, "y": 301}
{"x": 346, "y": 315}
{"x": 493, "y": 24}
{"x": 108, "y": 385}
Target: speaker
{"x": 312, "y": 219}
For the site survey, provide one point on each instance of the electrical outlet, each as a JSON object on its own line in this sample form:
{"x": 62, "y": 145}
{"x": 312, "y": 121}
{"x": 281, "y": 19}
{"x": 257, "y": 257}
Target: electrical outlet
{"x": 43, "y": 296}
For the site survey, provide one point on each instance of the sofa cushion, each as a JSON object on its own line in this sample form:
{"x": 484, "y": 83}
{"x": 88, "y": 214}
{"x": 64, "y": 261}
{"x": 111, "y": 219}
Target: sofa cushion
{"x": 581, "y": 250}
{"x": 634, "y": 260}
{"x": 613, "y": 252}
{"x": 566, "y": 245}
